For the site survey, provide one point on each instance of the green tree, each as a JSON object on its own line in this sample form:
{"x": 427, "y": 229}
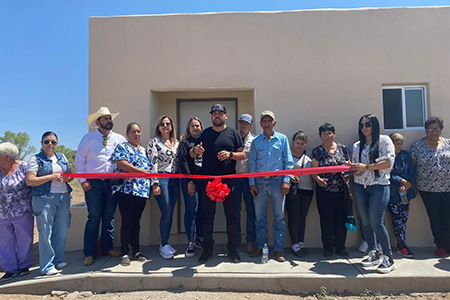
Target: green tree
{"x": 21, "y": 140}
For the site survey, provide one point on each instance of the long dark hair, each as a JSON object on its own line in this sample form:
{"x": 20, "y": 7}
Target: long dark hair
{"x": 374, "y": 145}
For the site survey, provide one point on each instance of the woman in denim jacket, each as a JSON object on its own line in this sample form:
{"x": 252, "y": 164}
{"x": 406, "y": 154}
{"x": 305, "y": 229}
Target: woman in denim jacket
{"x": 51, "y": 201}
{"x": 401, "y": 192}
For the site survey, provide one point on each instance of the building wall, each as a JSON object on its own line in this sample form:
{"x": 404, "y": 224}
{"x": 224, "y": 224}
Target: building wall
{"x": 309, "y": 67}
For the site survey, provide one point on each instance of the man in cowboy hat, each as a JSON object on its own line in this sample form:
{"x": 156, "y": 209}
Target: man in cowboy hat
{"x": 92, "y": 156}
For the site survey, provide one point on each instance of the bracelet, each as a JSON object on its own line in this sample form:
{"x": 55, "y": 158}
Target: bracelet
{"x": 367, "y": 167}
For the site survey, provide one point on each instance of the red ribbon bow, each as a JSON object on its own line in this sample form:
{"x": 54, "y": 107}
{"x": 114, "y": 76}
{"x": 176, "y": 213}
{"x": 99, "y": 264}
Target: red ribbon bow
{"x": 216, "y": 190}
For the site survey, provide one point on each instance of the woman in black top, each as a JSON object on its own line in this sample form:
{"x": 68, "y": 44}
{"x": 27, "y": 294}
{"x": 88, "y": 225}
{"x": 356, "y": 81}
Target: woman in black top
{"x": 193, "y": 200}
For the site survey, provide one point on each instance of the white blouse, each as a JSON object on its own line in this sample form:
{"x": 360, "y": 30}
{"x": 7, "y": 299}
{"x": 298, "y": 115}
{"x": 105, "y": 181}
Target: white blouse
{"x": 386, "y": 151}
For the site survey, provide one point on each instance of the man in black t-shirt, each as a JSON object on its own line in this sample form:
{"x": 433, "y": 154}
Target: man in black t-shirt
{"x": 220, "y": 146}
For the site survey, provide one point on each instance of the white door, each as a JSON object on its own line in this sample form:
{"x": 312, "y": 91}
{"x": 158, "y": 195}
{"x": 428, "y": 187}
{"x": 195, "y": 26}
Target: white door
{"x": 187, "y": 108}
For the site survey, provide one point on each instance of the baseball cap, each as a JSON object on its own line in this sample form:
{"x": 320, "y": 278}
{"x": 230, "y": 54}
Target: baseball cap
{"x": 268, "y": 113}
{"x": 218, "y": 107}
{"x": 247, "y": 118}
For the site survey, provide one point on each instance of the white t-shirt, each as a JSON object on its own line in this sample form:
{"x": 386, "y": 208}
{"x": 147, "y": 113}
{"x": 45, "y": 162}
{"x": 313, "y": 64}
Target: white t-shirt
{"x": 56, "y": 187}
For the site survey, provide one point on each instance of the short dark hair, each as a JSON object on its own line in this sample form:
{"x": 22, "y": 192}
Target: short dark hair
{"x": 327, "y": 127}
{"x": 47, "y": 133}
{"x": 434, "y": 120}
{"x": 130, "y": 125}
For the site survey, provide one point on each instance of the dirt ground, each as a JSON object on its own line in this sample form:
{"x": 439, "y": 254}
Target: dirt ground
{"x": 205, "y": 295}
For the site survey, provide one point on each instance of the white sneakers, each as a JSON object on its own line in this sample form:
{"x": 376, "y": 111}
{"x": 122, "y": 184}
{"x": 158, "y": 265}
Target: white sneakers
{"x": 385, "y": 263}
{"x": 167, "y": 252}
{"x": 364, "y": 247}
{"x": 52, "y": 272}
{"x": 61, "y": 265}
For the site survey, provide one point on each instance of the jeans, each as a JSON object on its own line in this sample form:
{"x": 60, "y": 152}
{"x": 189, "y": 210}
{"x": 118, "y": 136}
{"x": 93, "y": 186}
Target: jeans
{"x": 193, "y": 215}
{"x": 270, "y": 188}
{"x": 16, "y": 242}
{"x": 372, "y": 202}
{"x": 52, "y": 221}
{"x": 170, "y": 188}
{"x": 101, "y": 206}
{"x": 438, "y": 210}
{"x": 242, "y": 188}
{"x": 229, "y": 206}
{"x": 131, "y": 208}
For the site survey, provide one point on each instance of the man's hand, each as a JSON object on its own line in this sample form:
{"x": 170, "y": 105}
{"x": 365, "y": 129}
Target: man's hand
{"x": 222, "y": 155}
{"x": 285, "y": 188}
{"x": 86, "y": 185}
{"x": 253, "y": 190}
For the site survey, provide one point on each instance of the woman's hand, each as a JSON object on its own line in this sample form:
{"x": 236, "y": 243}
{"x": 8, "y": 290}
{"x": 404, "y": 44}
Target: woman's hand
{"x": 295, "y": 179}
{"x": 358, "y": 167}
{"x": 406, "y": 184}
{"x": 191, "y": 188}
{"x": 56, "y": 177}
{"x": 156, "y": 190}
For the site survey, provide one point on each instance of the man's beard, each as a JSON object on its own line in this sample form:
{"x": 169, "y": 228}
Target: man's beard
{"x": 108, "y": 126}
{"x": 218, "y": 122}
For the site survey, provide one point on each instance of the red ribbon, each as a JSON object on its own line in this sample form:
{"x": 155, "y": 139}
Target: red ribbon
{"x": 304, "y": 171}
{"x": 215, "y": 190}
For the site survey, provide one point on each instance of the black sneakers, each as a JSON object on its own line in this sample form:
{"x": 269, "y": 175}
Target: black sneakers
{"x": 372, "y": 260}
{"x": 387, "y": 265}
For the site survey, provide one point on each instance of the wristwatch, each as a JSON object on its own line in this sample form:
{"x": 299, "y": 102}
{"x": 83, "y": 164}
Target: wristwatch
{"x": 231, "y": 154}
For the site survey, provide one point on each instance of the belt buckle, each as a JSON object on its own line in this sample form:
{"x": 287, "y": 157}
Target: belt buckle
{"x": 267, "y": 177}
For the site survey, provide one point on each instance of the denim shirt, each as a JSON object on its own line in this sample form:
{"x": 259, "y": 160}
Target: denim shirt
{"x": 403, "y": 169}
{"x": 46, "y": 168}
{"x": 270, "y": 155}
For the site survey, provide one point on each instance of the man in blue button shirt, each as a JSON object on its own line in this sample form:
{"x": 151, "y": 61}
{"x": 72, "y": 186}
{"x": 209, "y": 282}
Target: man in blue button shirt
{"x": 270, "y": 152}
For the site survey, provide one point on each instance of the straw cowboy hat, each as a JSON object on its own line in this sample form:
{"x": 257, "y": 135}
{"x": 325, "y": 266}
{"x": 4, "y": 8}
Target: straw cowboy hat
{"x": 103, "y": 111}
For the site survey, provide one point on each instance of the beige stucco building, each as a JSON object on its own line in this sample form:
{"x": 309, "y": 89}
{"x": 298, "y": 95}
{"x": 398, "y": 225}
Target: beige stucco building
{"x": 309, "y": 67}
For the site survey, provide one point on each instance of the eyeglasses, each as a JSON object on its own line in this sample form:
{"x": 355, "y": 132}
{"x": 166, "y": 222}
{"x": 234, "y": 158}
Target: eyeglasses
{"x": 50, "y": 142}
{"x": 165, "y": 124}
{"x": 367, "y": 125}
{"x": 431, "y": 130}
{"x": 105, "y": 140}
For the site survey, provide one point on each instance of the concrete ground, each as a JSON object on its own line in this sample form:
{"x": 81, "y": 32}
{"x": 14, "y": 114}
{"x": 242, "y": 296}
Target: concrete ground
{"x": 424, "y": 273}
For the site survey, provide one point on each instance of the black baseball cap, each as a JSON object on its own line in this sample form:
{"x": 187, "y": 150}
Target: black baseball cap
{"x": 218, "y": 107}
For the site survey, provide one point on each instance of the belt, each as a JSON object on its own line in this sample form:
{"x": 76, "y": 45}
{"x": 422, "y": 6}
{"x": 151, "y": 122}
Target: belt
{"x": 268, "y": 177}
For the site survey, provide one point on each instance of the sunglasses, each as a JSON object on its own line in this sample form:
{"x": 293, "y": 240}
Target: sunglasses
{"x": 431, "y": 130}
{"x": 50, "y": 142}
{"x": 367, "y": 125}
{"x": 165, "y": 124}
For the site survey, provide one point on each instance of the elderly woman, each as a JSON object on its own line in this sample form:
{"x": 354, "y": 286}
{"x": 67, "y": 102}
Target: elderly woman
{"x": 431, "y": 156}
{"x": 192, "y": 189}
{"x": 162, "y": 154}
{"x": 330, "y": 194}
{"x": 373, "y": 157}
{"x": 300, "y": 195}
{"x": 401, "y": 192}
{"x": 133, "y": 193}
{"x": 51, "y": 202}
{"x": 16, "y": 216}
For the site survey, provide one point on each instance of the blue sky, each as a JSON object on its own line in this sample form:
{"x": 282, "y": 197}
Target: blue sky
{"x": 44, "y": 54}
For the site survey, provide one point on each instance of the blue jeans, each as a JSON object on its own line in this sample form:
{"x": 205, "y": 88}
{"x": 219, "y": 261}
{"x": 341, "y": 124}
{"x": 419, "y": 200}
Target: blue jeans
{"x": 242, "y": 188}
{"x": 166, "y": 202}
{"x": 372, "y": 202}
{"x": 270, "y": 188}
{"x": 52, "y": 221}
{"x": 101, "y": 205}
{"x": 194, "y": 212}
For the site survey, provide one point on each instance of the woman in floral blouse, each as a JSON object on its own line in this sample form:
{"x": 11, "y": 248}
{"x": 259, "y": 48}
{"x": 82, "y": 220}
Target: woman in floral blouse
{"x": 330, "y": 196}
{"x": 431, "y": 156}
{"x": 162, "y": 154}
{"x": 133, "y": 193}
{"x": 372, "y": 160}
{"x": 16, "y": 216}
